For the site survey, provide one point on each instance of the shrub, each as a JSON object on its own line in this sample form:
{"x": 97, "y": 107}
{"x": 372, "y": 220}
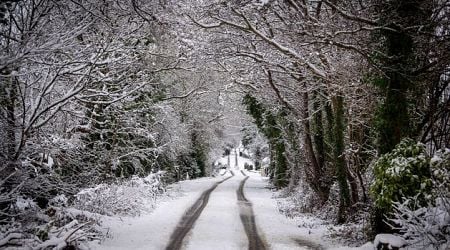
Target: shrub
{"x": 402, "y": 173}
{"x": 127, "y": 198}
{"x": 440, "y": 168}
{"x": 428, "y": 227}
{"x": 248, "y": 166}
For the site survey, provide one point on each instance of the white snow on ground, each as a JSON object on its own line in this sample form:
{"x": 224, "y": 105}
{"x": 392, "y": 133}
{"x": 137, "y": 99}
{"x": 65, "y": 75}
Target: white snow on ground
{"x": 367, "y": 246}
{"x": 152, "y": 231}
{"x": 392, "y": 240}
{"x": 219, "y": 226}
{"x": 277, "y": 230}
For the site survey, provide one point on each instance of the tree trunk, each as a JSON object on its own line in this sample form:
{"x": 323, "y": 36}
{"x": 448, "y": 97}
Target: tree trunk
{"x": 339, "y": 155}
{"x": 361, "y": 183}
{"x": 318, "y": 131}
{"x": 8, "y": 97}
{"x": 281, "y": 167}
{"x": 315, "y": 173}
{"x": 353, "y": 187}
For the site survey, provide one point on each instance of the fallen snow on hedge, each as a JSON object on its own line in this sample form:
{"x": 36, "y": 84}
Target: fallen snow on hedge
{"x": 428, "y": 226}
{"x": 127, "y": 198}
{"x": 63, "y": 225}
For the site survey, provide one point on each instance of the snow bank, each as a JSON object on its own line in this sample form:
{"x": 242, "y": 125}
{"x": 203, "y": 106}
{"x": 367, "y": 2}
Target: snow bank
{"x": 126, "y": 198}
{"x": 367, "y": 246}
{"x": 389, "y": 240}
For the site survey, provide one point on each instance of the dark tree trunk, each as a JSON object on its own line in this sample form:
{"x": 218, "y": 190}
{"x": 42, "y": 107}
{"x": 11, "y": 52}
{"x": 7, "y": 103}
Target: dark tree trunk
{"x": 339, "y": 155}
{"x": 314, "y": 176}
{"x": 353, "y": 187}
{"x": 10, "y": 152}
{"x": 318, "y": 131}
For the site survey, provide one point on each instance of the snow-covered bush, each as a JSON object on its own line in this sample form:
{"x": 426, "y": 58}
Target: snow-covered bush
{"x": 428, "y": 226}
{"x": 74, "y": 234}
{"x": 59, "y": 201}
{"x": 52, "y": 228}
{"x": 10, "y": 233}
{"x": 127, "y": 198}
{"x": 294, "y": 202}
{"x": 67, "y": 227}
{"x": 440, "y": 167}
{"x": 22, "y": 204}
{"x": 405, "y": 172}
{"x": 29, "y": 212}
{"x": 60, "y": 225}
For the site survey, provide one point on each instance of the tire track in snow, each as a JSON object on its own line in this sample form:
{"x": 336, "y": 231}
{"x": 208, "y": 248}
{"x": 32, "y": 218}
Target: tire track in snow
{"x": 189, "y": 218}
{"x": 248, "y": 219}
{"x": 308, "y": 244}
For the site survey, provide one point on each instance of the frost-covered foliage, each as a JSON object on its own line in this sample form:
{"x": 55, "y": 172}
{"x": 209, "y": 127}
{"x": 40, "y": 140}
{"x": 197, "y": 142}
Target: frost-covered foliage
{"x": 405, "y": 172}
{"x": 66, "y": 223}
{"x": 440, "y": 167}
{"x": 10, "y": 233}
{"x": 299, "y": 200}
{"x": 56, "y": 227}
{"x": 127, "y": 198}
{"x": 67, "y": 227}
{"x": 301, "y": 205}
{"x": 428, "y": 226}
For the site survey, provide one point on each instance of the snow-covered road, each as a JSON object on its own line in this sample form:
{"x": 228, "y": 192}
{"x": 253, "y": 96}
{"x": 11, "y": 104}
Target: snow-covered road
{"x": 220, "y": 224}
{"x": 277, "y": 231}
{"x": 233, "y": 211}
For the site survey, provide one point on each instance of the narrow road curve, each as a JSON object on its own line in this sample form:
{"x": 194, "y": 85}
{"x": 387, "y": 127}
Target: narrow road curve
{"x": 189, "y": 218}
{"x": 248, "y": 219}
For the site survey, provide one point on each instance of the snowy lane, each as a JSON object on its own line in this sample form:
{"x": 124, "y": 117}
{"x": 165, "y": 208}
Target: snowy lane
{"x": 190, "y": 217}
{"x": 248, "y": 218}
{"x": 152, "y": 231}
{"x": 236, "y": 214}
{"x": 219, "y": 226}
{"x": 279, "y": 232}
